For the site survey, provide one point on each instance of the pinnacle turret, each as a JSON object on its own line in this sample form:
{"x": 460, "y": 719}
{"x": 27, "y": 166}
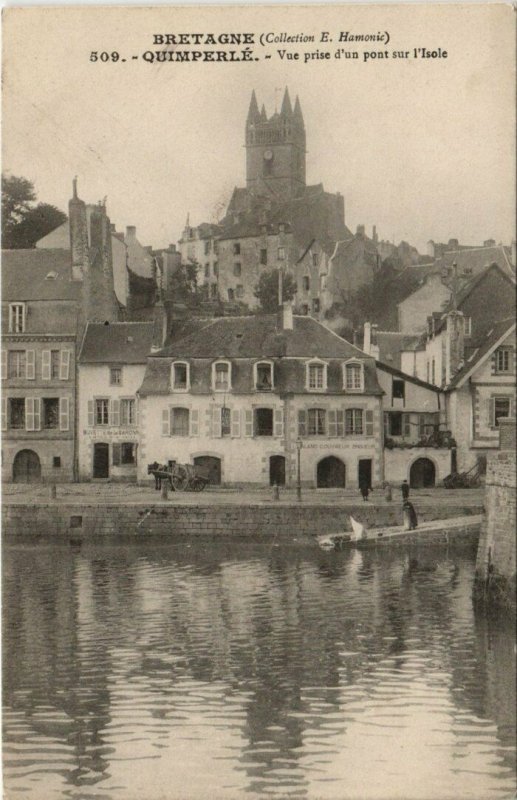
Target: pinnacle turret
{"x": 298, "y": 116}
{"x": 263, "y": 115}
{"x": 253, "y": 111}
{"x": 286, "y": 110}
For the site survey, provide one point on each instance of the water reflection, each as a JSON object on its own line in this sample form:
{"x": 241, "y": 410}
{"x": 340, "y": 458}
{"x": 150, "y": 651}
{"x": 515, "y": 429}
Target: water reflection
{"x": 148, "y": 671}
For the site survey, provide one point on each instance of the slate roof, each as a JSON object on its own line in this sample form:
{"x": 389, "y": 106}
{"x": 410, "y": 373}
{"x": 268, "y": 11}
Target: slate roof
{"x": 477, "y": 259}
{"x": 392, "y": 343}
{"x": 116, "y": 343}
{"x": 243, "y": 340}
{"x": 24, "y": 276}
{"x": 500, "y": 330}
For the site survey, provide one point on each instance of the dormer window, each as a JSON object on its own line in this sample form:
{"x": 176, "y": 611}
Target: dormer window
{"x": 353, "y": 376}
{"x": 316, "y": 378}
{"x": 263, "y": 376}
{"x": 180, "y": 377}
{"x": 221, "y": 376}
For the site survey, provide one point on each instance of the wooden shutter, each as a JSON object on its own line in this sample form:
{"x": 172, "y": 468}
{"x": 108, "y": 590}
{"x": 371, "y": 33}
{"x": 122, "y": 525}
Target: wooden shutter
{"x": 64, "y": 413}
{"x": 116, "y": 450}
{"x": 369, "y": 423}
{"x": 30, "y": 364}
{"x": 406, "y": 424}
{"x": 91, "y": 414}
{"x": 248, "y": 422}
{"x": 236, "y": 423}
{"x": 340, "y": 422}
{"x": 37, "y": 414}
{"x": 45, "y": 365}
{"x": 386, "y": 424}
{"x": 29, "y": 413}
{"x": 302, "y": 422}
{"x": 64, "y": 366}
{"x": 114, "y": 412}
{"x": 491, "y": 414}
{"x": 279, "y": 422}
{"x": 332, "y": 422}
{"x": 166, "y": 422}
{"x": 4, "y": 364}
{"x": 216, "y": 422}
{"x": 4, "y": 413}
{"x": 194, "y": 422}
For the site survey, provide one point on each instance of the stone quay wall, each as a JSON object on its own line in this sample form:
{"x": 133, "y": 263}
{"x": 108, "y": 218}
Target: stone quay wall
{"x": 495, "y": 566}
{"x": 278, "y": 522}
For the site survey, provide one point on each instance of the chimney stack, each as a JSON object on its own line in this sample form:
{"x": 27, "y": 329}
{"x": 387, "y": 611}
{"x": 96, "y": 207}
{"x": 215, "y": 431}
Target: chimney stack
{"x": 454, "y": 344}
{"x": 78, "y": 234}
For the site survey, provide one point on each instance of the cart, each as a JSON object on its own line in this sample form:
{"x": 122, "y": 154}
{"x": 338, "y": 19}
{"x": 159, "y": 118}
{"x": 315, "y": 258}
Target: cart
{"x": 181, "y": 477}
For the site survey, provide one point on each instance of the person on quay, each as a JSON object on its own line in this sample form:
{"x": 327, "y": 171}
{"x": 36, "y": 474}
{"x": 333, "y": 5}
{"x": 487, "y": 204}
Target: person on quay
{"x": 364, "y": 488}
{"x": 405, "y": 490}
{"x": 410, "y": 517}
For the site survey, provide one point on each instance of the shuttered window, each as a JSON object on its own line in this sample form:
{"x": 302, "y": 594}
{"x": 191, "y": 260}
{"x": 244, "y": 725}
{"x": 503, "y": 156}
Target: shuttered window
{"x": 317, "y": 422}
{"x": 302, "y": 422}
{"x": 354, "y": 421}
{"x": 279, "y": 423}
{"x": 4, "y": 364}
{"x": 64, "y": 367}
{"x": 32, "y": 414}
{"x": 64, "y": 413}
{"x": 180, "y": 422}
{"x": 194, "y": 422}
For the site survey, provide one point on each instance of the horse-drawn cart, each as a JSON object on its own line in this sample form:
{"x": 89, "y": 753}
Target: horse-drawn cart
{"x": 181, "y": 477}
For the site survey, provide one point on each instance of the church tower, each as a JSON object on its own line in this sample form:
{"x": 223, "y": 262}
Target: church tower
{"x": 275, "y": 150}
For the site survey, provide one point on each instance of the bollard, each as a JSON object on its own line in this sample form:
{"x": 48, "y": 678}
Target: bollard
{"x": 165, "y": 491}
{"x": 53, "y": 491}
{"x": 276, "y": 492}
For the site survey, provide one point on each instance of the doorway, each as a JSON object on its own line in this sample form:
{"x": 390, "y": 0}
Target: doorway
{"x": 101, "y": 462}
{"x": 422, "y": 474}
{"x": 210, "y": 467}
{"x": 277, "y": 470}
{"x": 26, "y": 467}
{"x": 331, "y": 473}
{"x": 364, "y": 472}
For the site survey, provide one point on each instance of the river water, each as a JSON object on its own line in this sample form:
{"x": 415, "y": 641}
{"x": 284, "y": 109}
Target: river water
{"x": 141, "y": 671}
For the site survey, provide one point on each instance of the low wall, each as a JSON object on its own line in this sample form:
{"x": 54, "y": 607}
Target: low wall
{"x": 495, "y": 566}
{"x": 278, "y": 521}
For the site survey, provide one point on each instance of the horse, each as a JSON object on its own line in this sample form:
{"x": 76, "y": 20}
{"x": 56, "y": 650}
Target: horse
{"x": 160, "y": 472}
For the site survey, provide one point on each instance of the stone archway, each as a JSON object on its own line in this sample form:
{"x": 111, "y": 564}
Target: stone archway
{"x": 26, "y": 467}
{"x": 210, "y": 466}
{"x": 331, "y": 473}
{"x": 422, "y": 474}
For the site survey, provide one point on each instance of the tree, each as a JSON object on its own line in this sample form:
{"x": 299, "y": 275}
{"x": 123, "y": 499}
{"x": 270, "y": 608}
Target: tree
{"x": 23, "y": 224}
{"x": 266, "y": 290}
{"x": 183, "y": 286}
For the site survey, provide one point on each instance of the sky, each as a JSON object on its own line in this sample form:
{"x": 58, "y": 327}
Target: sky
{"x": 421, "y": 148}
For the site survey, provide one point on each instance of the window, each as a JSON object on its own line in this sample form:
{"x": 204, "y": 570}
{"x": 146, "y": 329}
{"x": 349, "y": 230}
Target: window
{"x": 16, "y": 317}
{"x": 263, "y": 422}
{"x": 398, "y": 389}
{"x": 317, "y": 422}
{"x": 226, "y": 421}
{"x": 354, "y": 421}
{"x": 216, "y": 247}
{"x": 306, "y": 283}
{"x": 101, "y": 411}
{"x": 263, "y": 255}
{"x": 281, "y": 253}
{"x": 317, "y": 376}
{"x": 501, "y": 410}
{"x": 395, "y": 424}
{"x": 468, "y": 326}
{"x": 264, "y": 377}
{"x": 221, "y": 376}
{"x": 128, "y": 453}
{"x": 16, "y": 364}
{"x": 179, "y": 421}
{"x": 55, "y": 361}
{"x": 216, "y": 269}
{"x": 180, "y": 376}
{"x": 353, "y": 377}
{"x": 207, "y": 270}
{"x": 50, "y": 412}
{"x": 433, "y": 371}
{"x": 315, "y": 259}
{"x": 236, "y": 248}
{"x": 127, "y": 411}
{"x": 239, "y": 290}
{"x": 304, "y": 309}
{"x": 17, "y": 412}
{"x": 231, "y": 295}
{"x": 316, "y": 305}
{"x": 237, "y": 269}
{"x": 207, "y": 247}
{"x": 116, "y": 376}
{"x": 502, "y": 359}
{"x": 56, "y": 461}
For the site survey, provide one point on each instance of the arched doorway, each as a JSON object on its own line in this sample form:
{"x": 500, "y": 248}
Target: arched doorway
{"x": 422, "y": 474}
{"x": 26, "y": 467}
{"x": 331, "y": 473}
{"x": 210, "y": 467}
{"x": 277, "y": 470}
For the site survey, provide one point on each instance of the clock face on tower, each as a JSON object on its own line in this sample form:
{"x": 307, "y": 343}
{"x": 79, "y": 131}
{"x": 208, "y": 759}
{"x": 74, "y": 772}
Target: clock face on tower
{"x": 268, "y": 155}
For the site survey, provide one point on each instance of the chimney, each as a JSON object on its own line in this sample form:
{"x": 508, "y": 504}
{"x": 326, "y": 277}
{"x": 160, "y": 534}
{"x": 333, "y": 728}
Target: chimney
{"x": 367, "y": 338}
{"x": 159, "y": 327}
{"x": 454, "y": 344}
{"x": 360, "y": 230}
{"x": 78, "y": 235}
{"x": 375, "y": 238}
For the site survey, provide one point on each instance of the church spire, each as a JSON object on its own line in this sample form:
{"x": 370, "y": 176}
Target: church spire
{"x": 253, "y": 111}
{"x": 287, "y": 109}
{"x": 263, "y": 115}
{"x": 298, "y": 116}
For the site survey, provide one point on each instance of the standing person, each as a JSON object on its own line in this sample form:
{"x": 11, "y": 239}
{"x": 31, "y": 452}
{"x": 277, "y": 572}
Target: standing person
{"x": 405, "y": 490}
{"x": 410, "y": 517}
{"x": 364, "y": 488}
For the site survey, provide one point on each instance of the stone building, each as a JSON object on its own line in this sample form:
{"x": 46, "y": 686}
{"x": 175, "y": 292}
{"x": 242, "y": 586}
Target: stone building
{"x": 239, "y": 396}
{"x": 277, "y": 221}
{"x": 47, "y": 297}
{"x": 111, "y": 368}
